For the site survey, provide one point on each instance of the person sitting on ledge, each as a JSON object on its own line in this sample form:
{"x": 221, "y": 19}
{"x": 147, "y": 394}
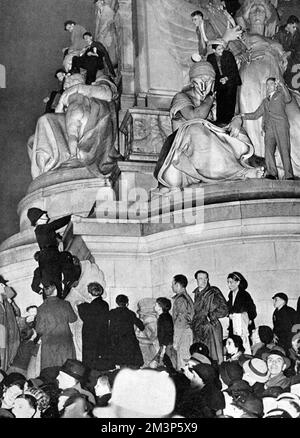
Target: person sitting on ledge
{"x": 77, "y": 45}
{"x": 49, "y": 256}
{"x": 52, "y": 100}
{"x": 93, "y": 59}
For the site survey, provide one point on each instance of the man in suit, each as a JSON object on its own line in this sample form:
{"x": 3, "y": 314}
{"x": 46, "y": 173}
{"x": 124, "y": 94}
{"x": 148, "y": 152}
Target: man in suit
{"x": 276, "y": 127}
{"x": 227, "y": 81}
{"x": 198, "y": 20}
{"x": 93, "y": 59}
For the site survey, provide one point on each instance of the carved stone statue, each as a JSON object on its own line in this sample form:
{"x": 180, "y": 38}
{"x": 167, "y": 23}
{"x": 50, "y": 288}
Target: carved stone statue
{"x": 271, "y": 18}
{"x": 90, "y": 272}
{"x": 199, "y": 151}
{"x": 265, "y": 59}
{"x": 106, "y": 27}
{"x": 82, "y": 133}
{"x": 148, "y": 338}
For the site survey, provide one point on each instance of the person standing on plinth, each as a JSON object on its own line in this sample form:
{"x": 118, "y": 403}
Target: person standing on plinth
{"x": 183, "y": 311}
{"x": 276, "y": 128}
{"x": 49, "y": 256}
{"x": 209, "y": 306}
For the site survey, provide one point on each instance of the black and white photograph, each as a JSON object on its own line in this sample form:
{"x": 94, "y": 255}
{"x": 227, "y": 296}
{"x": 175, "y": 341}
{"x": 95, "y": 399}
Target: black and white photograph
{"x": 150, "y": 212}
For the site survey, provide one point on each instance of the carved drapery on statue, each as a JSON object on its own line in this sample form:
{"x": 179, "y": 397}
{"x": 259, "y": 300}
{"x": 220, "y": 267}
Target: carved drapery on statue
{"x": 202, "y": 152}
{"x": 82, "y": 136}
{"x": 106, "y": 29}
{"x": 271, "y": 21}
{"x": 148, "y": 337}
{"x": 199, "y": 151}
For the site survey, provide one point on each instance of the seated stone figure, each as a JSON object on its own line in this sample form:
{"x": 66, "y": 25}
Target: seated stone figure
{"x": 81, "y": 133}
{"x": 199, "y": 151}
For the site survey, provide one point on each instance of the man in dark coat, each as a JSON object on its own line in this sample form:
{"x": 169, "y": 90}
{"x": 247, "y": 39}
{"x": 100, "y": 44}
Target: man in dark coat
{"x": 94, "y": 58}
{"x": 209, "y": 305}
{"x": 125, "y": 349}
{"x": 49, "y": 256}
{"x": 284, "y": 317}
{"x": 52, "y": 325}
{"x": 227, "y": 81}
{"x": 289, "y": 37}
{"x": 95, "y": 316}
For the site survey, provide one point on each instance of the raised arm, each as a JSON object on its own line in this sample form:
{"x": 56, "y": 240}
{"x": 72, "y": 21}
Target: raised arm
{"x": 59, "y": 223}
{"x": 254, "y": 115}
{"x": 200, "y": 112}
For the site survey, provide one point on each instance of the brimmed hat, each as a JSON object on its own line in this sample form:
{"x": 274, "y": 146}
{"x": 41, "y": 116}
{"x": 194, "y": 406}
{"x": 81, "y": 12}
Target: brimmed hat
{"x": 289, "y": 396}
{"x": 277, "y": 352}
{"x": 278, "y": 413}
{"x": 74, "y": 368}
{"x": 147, "y": 392}
{"x": 257, "y": 368}
{"x": 251, "y": 405}
{"x": 34, "y": 214}
{"x": 281, "y": 295}
{"x": 230, "y": 372}
{"x": 200, "y": 358}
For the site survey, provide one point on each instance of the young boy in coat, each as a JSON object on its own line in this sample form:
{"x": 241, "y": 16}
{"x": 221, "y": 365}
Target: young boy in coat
{"x": 165, "y": 331}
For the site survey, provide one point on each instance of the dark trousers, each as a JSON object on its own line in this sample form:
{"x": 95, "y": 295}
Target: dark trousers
{"x": 50, "y": 268}
{"x": 226, "y": 100}
{"x": 278, "y": 136}
{"x": 90, "y": 64}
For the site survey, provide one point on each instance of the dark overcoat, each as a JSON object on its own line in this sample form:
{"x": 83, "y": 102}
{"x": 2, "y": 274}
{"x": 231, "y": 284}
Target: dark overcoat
{"x": 52, "y": 325}
{"x": 124, "y": 346}
{"x": 95, "y": 316}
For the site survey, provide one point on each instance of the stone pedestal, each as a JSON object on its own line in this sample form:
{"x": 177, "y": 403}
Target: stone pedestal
{"x": 69, "y": 191}
{"x": 248, "y": 226}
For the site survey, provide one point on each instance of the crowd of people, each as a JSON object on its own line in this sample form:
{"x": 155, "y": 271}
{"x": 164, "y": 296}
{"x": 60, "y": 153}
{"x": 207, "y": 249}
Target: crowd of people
{"x": 197, "y": 371}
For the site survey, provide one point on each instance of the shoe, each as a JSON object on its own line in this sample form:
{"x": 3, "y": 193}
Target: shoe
{"x": 271, "y": 177}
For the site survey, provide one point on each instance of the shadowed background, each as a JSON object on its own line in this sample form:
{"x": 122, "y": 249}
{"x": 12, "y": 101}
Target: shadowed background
{"x": 32, "y": 38}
